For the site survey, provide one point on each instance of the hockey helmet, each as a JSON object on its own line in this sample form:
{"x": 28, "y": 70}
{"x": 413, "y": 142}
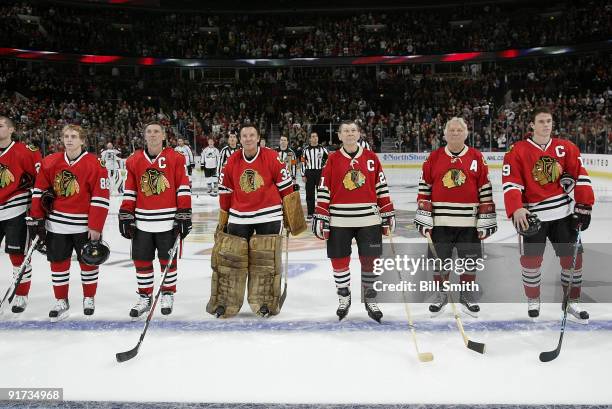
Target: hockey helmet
{"x": 95, "y": 252}
{"x": 534, "y": 226}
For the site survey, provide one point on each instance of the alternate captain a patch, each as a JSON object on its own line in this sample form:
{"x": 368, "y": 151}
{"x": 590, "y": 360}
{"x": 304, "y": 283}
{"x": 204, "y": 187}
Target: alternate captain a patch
{"x": 153, "y": 182}
{"x": 250, "y": 180}
{"x": 546, "y": 170}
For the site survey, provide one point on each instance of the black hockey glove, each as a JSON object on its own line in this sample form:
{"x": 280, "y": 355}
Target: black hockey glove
{"x": 36, "y": 227}
{"x": 127, "y": 224}
{"x": 582, "y": 216}
{"x": 182, "y": 222}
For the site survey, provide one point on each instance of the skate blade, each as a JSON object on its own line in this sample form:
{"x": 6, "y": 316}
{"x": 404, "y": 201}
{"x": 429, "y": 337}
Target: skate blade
{"x": 60, "y": 318}
{"x": 577, "y": 320}
{"x": 466, "y": 311}
{"x": 438, "y": 313}
{"x": 534, "y": 319}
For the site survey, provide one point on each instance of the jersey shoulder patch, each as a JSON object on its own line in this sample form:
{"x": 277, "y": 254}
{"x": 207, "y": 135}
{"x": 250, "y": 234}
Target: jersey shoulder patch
{"x": 32, "y": 147}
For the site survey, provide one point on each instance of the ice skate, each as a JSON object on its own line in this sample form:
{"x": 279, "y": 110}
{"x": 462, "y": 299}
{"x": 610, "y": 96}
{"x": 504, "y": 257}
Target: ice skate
{"x": 60, "y": 310}
{"x": 344, "y": 302}
{"x": 439, "y": 304}
{"x": 143, "y": 305}
{"x": 468, "y": 305}
{"x": 88, "y": 305}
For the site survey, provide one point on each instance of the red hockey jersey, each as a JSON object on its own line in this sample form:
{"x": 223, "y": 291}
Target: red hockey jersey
{"x": 353, "y": 191}
{"x": 155, "y": 189}
{"x": 251, "y": 191}
{"x": 455, "y": 184}
{"x": 81, "y": 193}
{"x": 19, "y": 165}
{"x": 530, "y": 177}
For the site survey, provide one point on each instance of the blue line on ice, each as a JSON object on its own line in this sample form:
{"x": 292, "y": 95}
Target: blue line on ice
{"x": 255, "y": 324}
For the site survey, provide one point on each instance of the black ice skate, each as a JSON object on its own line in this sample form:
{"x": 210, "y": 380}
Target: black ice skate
{"x": 344, "y": 302}
{"x": 469, "y": 306}
{"x": 439, "y": 304}
{"x": 371, "y": 307}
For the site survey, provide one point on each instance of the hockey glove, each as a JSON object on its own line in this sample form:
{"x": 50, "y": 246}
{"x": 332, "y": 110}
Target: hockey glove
{"x": 320, "y": 226}
{"x": 582, "y": 216}
{"x": 36, "y": 227}
{"x": 486, "y": 222}
{"x": 182, "y": 222}
{"x": 423, "y": 219}
{"x": 127, "y": 224}
{"x": 567, "y": 182}
{"x": 388, "y": 223}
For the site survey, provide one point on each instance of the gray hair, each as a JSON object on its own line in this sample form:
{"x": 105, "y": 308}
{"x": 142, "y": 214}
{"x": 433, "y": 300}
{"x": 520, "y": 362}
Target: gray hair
{"x": 458, "y": 119}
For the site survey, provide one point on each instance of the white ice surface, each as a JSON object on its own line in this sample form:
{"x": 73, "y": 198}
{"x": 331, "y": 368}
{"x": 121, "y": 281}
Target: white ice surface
{"x": 303, "y": 355}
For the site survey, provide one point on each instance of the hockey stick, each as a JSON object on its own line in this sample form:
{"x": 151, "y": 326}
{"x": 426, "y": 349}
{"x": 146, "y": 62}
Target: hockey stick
{"x": 423, "y": 356}
{"x": 10, "y": 292}
{"x": 473, "y": 345}
{"x": 550, "y": 355}
{"x": 285, "y": 272}
{"x": 127, "y": 355}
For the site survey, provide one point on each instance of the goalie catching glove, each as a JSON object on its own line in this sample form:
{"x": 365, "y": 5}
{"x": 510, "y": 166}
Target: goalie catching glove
{"x": 486, "y": 222}
{"x": 423, "y": 220}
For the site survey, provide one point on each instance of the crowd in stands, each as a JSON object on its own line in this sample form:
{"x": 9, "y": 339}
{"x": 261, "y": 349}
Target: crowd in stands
{"x": 401, "y": 108}
{"x": 129, "y": 32}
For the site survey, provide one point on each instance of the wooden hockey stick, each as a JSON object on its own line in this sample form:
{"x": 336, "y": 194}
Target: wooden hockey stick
{"x": 423, "y": 356}
{"x": 474, "y": 346}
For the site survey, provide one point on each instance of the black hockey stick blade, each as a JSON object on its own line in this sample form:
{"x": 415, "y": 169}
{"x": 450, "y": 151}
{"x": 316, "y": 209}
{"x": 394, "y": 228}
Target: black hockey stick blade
{"x": 127, "y": 355}
{"x": 549, "y": 355}
{"x": 476, "y": 346}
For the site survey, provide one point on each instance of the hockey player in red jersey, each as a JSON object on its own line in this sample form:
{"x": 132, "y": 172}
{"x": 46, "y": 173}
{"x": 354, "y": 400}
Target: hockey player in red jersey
{"x": 353, "y": 202}
{"x": 18, "y": 167}
{"x": 80, "y": 185}
{"x": 252, "y": 187}
{"x": 455, "y": 207}
{"x": 156, "y": 207}
{"x": 538, "y": 174}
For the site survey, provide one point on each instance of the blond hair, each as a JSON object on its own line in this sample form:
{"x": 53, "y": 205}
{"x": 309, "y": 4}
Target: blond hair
{"x": 78, "y": 129}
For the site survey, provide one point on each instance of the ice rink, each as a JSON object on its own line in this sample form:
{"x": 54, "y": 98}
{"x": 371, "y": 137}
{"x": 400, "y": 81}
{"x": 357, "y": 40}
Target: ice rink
{"x": 304, "y": 355}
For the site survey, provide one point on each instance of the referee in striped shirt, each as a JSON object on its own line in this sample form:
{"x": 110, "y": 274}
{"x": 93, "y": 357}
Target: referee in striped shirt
{"x": 314, "y": 157}
{"x": 226, "y": 152}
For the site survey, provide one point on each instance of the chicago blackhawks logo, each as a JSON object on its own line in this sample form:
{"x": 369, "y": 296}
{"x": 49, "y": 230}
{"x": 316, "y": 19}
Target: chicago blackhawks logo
{"x": 153, "y": 182}
{"x": 32, "y": 148}
{"x": 353, "y": 179}
{"x": 250, "y": 181}
{"x": 546, "y": 170}
{"x": 453, "y": 178}
{"x": 6, "y": 177}
{"x": 65, "y": 184}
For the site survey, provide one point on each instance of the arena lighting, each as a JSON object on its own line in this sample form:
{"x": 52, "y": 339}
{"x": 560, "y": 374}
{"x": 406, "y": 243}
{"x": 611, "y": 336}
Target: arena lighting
{"x": 305, "y": 62}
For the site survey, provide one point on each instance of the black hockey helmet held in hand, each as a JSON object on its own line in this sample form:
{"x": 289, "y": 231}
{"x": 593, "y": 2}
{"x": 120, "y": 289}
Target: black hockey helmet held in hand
{"x": 95, "y": 252}
{"x": 534, "y": 226}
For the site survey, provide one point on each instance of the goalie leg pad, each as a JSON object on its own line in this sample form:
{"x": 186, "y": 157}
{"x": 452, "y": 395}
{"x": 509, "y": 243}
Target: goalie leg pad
{"x": 229, "y": 262}
{"x": 293, "y": 214}
{"x": 265, "y": 273}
